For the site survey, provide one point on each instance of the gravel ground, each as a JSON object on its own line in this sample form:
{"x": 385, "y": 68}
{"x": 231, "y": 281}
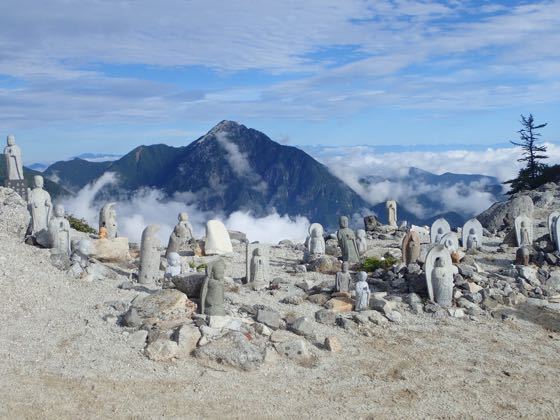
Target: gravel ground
{"x": 64, "y": 356}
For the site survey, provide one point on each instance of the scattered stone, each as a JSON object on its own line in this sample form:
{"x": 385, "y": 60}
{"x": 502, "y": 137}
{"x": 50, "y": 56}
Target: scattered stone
{"x": 395, "y": 317}
{"x": 296, "y": 350}
{"x": 456, "y": 312}
{"x": 167, "y": 305}
{"x": 318, "y": 298}
{"x": 269, "y": 317}
{"x": 333, "y": 344}
{"x": 340, "y": 304}
{"x": 233, "y": 349}
{"x": 137, "y": 339}
{"x": 325, "y": 316}
{"x": 293, "y": 300}
{"x": 132, "y": 319}
{"x": 305, "y": 327}
{"x": 187, "y": 338}
{"x": 161, "y": 350}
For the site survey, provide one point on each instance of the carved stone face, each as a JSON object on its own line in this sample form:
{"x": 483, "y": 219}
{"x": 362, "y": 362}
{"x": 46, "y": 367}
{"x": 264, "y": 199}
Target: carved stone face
{"x": 39, "y": 182}
{"x": 343, "y": 222}
{"x": 438, "y": 262}
{"x": 59, "y": 210}
{"x": 471, "y": 232}
{"x": 362, "y": 276}
{"x": 258, "y": 252}
{"x": 183, "y": 217}
{"x": 345, "y": 267}
{"x": 11, "y": 140}
{"x": 219, "y": 270}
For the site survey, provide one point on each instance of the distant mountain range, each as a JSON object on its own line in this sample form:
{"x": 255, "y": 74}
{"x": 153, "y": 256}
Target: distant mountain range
{"x": 233, "y": 168}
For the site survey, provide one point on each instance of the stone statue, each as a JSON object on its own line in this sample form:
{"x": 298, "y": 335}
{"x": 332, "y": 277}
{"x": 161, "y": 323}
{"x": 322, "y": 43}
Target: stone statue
{"x": 552, "y": 222}
{"x": 439, "y": 228}
{"x": 103, "y": 232}
{"x": 217, "y": 241}
{"x": 173, "y": 265}
{"x": 411, "y": 247}
{"x": 450, "y": 242}
{"x": 523, "y": 230}
{"x": 80, "y": 257}
{"x": 347, "y": 242}
{"x": 343, "y": 279}
{"x": 59, "y": 232}
{"x": 391, "y": 206}
{"x": 472, "y": 234}
{"x": 257, "y": 266}
{"x": 108, "y": 221}
{"x": 14, "y": 162}
{"x": 362, "y": 292}
{"x": 39, "y": 204}
{"x": 149, "y": 256}
{"x": 370, "y": 223}
{"x": 182, "y": 234}
{"x": 316, "y": 244}
{"x": 439, "y": 276}
{"x": 522, "y": 256}
{"x": 212, "y": 293}
{"x": 361, "y": 241}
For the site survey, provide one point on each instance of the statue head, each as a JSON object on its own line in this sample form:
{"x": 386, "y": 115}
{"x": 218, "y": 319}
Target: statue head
{"x": 315, "y": 233}
{"x": 361, "y": 233}
{"x": 174, "y": 259}
{"x": 39, "y": 181}
{"x": 438, "y": 262}
{"x": 84, "y": 247}
{"x": 523, "y": 224}
{"x": 59, "y": 210}
{"x": 183, "y": 217}
{"x": 218, "y": 270}
{"x": 258, "y": 252}
{"x": 471, "y": 231}
{"x": 362, "y": 276}
{"x": 345, "y": 267}
{"x": 343, "y": 222}
{"x": 440, "y": 230}
{"x": 11, "y": 140}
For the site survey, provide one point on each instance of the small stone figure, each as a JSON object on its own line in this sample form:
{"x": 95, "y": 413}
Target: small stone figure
{"x": 411, "y": 247}
{"x": 80, "y": 257}
{"x": 523, "y": 230}
{"x": 316, "y": 240}
{"x": 439, "y": 276}
{"x": 182, "y": 234}
{"x": 149, "y": 256}
{"x": 14, "y": 163}
{"x": 522, "y": 256}
{"x": 370, "y": 223}
{"x": 472, "y": 234}
{"x": 439, "y": 228}
{"x": 450, "y": 242}
{"x": 361, "y": 241}
{"x": 173, "y": 265}
{"x": 391, "y": 206}
{"x": 39, "y": 204}
{"x": 343, "y": 279}
{"x": 258, "y": 276}
{"x": 212, "y": 293}
{"x": 472, "y": 240}
{"x": 362, "y": 292}
{"x": 347, "y": 242}
{"x": 108, "y": 221}
{"x": 59, "y": 232}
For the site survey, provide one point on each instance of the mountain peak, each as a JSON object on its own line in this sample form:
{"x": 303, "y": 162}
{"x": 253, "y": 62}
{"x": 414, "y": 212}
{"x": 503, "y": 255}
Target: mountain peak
{"x": 225, "y": 126}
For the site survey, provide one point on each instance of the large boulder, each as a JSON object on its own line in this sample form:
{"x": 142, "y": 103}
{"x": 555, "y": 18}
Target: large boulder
{"x": 233, "y": 349}
{"x": 167, "y": 307}
{"x": 502, "y": 215}
{"x": 14, "y": 216}
{"x": 110, "y": 250}
{"x": 191, "y": 284}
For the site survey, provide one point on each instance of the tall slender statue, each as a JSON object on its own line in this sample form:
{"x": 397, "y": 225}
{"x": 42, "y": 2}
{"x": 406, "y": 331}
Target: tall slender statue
{"x": 363, "y": 293}
{"x": 361, "y": 241}
{"x": 181, "y": 235}
{"x": 212, "y": 293}
{"x": 149, "y": 256}
{"x": 347, "y": 242}
{"x": 411, "y": 247}
{"x": 316, "y": 243}
{"x": 39, "y": 205}
{"x": 108, "y": 226}
{"x": 59, "y": 231}
{"x": 14, "y": 163}
{"x": 391, "y": 206}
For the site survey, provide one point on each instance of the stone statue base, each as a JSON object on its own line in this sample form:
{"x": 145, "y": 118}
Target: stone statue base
{"x": 19, "y": 186}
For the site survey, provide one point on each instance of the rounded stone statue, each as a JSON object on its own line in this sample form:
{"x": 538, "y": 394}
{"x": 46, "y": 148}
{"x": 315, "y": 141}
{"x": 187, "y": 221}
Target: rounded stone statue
{"x": 108, "y": 226}
{"x": 361, "y": 241}
{"x": 316, "y": 240}
{"x": 14, "y": 162}
{"x": 212, "y": 293}
{"x": 173, "y": 265}
{"x": 439, "y": 228}
{"x": 59, "y": 232}
{"x": 39, "y": 205}
{"x": 522, "y": 256}
{"x": 411, "y": 247}
{"x": 347, "y": 242}
{"x": 362, "y": 292}
{"x": 80, "y": 257}
{"x": 149, "y": 256}
{"x": 343, "y": 279}
{"x": 439, "y": 276}
{"x": 472, "y": 234}
{"x": 450, "y": 242}
{"x": 259, "y": 270}
{"x": 524, "y": 230}
{"x": 182, "y": 234}
{"x": 391, "y": 206}
{"x": 552, "y": 228}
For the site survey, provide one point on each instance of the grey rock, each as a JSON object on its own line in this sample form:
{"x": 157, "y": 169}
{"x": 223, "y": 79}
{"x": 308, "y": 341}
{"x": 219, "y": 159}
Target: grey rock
{"x": 503, "y": 214}
{"x": 161, "y": 350}
{"x": 324, "y": 316}
{"x": 137, "y": 339}
{"x": 298, "y": 351}
{"x": 132, "y": 319}
{"x": 376, "y": 318}
{"x": 345, "y": 323}
{"x": 319, "y": 298}
{"x": 293, "y": 300}
{"x": 305, "y": 327}
{"x": 187, "y": 338}
{"x": 233, "y": 349}
{"x": 269, "y": 317}
{"x": 190, "y": 284}
{"x": 395, "y": 317}
{"x": 381, "y": 305}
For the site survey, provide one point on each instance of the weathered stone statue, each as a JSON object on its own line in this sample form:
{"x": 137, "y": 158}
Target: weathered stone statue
{"x": 218, "y": 241}
{"x": 523, "y": 230}
{"x": 14, "y": 162}
{"x": 347, "y": 242}
{"x": 411, "y": 247}
{"x": 80, "y": 257}
{"x": 370, "y": 223}
{"x": 212, "y": 293}
{"x": 450, "y": 242}
{"x": 182, "y": 234}
{"x": 108, "y": 221}
{"x": 173, "y": 265}
{"x": 258, "y": 271}
{"x": 361, "y": 241}
{"x": 39, "y": 204}
{"x": 439, "y": 228}
{"x": 343, "y": 279}
{"x": 149, "y": 256}
{"x": 316, "y": 244}
{"x": 472, "y": 234}
{"x": 391, "y": 206}
{"x": 552, "y": 228}
{"x": 362, "y": 292}
{"x": 522, "y": 255}
{"x": 59, "y": 232}
{"x": 439, "y": 276}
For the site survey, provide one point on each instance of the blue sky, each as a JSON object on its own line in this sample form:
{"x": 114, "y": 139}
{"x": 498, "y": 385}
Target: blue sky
{"x": 106, "y": 76}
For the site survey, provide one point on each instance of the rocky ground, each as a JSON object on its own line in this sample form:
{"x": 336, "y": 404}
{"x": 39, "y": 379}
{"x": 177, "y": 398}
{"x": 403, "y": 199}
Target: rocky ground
{"x": 70, "y": 351}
